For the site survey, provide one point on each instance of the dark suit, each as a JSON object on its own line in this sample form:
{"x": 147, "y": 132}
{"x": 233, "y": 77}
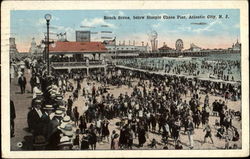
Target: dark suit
{"x": 35, "y": 122}
{"x": 12, "y": 117}
{"x": 22, "y": 83}
{"x": 52, "y": 126}
{"x": 32, "y": 82}
{"x": 54, "y": 140}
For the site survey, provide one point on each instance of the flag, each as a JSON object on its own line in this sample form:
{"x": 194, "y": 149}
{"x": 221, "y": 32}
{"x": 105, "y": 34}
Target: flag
{"x": 109, "y": 42}
{"x": 112, "y": 42}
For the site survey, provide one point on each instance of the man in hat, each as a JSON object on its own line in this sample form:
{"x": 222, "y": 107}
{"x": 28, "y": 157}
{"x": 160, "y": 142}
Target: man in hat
{"x": 32, "y": 82}
{"x": 35, "y": 118}
{"x": 36, "y": 91}
{"x": 49, "y": 111}
{"x": 55, "y": 121}
{"x": 48, "y": 116}
{"x": 70, "y": 104}
{"x": 22, "y": 83}
{"x": 67, "y": 129}
{"x": 54, "y": 132}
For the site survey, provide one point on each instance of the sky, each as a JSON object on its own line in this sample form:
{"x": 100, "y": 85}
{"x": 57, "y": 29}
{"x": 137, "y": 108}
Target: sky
{"x": 215, "y": 33}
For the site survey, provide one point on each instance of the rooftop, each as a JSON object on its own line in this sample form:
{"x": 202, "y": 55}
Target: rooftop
{"x": 84, "y": 47}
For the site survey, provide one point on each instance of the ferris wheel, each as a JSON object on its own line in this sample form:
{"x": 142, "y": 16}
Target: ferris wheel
{"x": 179, "y": 45}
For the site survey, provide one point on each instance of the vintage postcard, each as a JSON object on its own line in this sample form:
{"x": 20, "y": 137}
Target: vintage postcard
{"x": 124, "y": 79}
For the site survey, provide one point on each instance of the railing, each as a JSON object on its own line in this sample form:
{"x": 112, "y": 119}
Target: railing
{"x": 67, "y": 64}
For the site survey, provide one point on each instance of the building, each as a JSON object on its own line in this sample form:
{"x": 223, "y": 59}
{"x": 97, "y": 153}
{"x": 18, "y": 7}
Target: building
{"x": 77, "y": 55}
{"x": 36, "y": 50}
{"x": 236, "y": 46}
{"x": 123, "y": 48}
{"x": 83, "y": 36}
{"x": 77, "y": 50}
{"x": 13, "y": 50}
{"x": 194, "y": 48}
{"x": 165, "y": 49}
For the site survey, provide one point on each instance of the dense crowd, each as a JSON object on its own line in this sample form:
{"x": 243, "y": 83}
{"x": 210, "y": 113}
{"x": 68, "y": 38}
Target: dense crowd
{"x": 216, "y": 69}
{"x": 156, "y": 105}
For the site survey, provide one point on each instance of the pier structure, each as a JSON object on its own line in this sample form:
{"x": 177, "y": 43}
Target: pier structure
{"x": 178, "y": 54}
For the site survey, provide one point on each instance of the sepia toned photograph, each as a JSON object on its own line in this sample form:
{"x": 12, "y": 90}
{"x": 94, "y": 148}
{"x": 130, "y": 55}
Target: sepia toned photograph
{"x": 110, "y": 79}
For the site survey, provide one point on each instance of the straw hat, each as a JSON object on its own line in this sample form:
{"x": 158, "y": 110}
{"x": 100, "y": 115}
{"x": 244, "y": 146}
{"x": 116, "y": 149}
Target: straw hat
{"x": 38, "y": 101}
{"x": 66, "y": 119}
{"x": 49, "y": 87}
{"x": 62, "y": 126}
{"x": 61, "y": 107}
{"x": 39, "y": 93}
{"x": 58, "y": 113}
{"x": 53, "y": 95}
{"x": 59, "y": 98}
{"x": 54, "y": 87}
{"x": 65, "y": 140}
{"x": 48, "y": 107}
{"x": 68, "y": 130}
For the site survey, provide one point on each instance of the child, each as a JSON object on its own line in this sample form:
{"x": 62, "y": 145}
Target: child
{"x": 208, "y": 132}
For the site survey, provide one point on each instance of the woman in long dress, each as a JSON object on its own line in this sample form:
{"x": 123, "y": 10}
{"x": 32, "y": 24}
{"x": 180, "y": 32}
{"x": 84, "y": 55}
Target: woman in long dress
{"x": 105, "y": 129}
{"x": 141, "y": 136}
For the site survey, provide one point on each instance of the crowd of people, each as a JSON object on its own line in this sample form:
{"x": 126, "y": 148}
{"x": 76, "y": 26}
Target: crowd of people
{"x": 216, "y": 69}
{"x": 156, "y": 105}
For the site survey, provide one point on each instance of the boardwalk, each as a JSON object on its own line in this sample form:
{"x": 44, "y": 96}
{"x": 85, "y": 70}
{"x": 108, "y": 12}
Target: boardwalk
{"x": 22, "y": 103}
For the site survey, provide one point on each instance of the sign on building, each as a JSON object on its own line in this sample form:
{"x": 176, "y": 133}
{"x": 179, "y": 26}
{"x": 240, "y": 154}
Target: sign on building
{"x": 83, "y": 36}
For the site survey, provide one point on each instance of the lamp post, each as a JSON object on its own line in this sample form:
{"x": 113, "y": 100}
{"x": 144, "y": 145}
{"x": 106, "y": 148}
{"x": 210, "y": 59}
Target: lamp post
{"x": 47, "y": 42}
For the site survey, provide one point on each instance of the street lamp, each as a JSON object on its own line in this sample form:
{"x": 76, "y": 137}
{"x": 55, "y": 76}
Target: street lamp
{"x": 47, "y": 18}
